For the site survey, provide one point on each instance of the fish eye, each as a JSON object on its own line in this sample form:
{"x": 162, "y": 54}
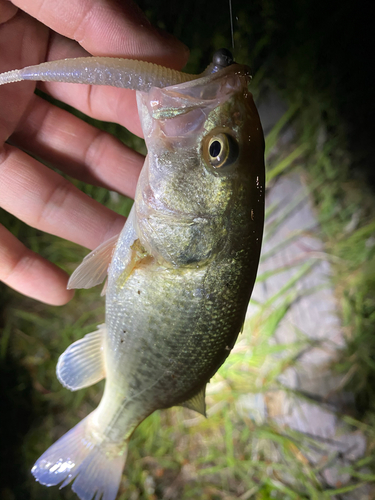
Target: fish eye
{"x": 220, "y": 151}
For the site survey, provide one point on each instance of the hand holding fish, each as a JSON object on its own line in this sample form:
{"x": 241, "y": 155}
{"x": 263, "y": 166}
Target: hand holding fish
{"x": 32, "y": 31}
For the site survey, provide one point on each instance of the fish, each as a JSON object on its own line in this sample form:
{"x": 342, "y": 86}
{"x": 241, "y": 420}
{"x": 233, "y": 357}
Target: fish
{"x": 181, "y": 272}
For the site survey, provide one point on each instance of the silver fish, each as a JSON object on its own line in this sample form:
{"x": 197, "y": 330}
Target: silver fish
{"x": 180, "y": 273}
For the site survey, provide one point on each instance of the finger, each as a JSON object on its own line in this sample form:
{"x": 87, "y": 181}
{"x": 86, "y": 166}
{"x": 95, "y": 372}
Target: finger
{"x": 102, "y": 103}
{"x": 108, "y": 27}
{"x": 7, "y": 11}
{"x": 77, "y": 148}
{"x": 45, "y": 200}
{"x": 14, "y": 98}
{"x": 23, "y": 41}
{"x": 30, "y": 274}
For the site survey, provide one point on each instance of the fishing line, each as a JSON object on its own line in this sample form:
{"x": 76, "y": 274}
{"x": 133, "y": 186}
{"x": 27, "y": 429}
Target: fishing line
{"x": 231, "y": 22}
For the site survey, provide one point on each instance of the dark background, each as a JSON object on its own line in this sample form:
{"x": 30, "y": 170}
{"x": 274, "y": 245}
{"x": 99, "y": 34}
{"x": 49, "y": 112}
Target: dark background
{"x": 319, "y": 52}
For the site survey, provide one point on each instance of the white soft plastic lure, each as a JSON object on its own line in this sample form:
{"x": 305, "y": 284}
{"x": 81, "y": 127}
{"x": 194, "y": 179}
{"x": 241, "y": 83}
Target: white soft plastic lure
{"x": 181, "y": 272}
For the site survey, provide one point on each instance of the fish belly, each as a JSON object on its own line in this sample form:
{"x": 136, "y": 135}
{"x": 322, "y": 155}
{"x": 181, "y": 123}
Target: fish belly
{"x": 168, "y": 332}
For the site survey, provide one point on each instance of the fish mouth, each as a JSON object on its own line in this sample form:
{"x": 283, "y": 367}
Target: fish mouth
{"x": 173, "y": 107}
{"x": 206, "y": 92}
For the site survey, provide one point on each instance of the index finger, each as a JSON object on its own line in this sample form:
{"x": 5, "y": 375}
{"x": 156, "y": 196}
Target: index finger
{"x": 108, "y": 27}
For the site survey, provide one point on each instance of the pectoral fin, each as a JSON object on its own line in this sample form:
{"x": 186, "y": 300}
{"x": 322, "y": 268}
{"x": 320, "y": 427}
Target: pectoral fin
{"x": 93, "y": 269}
{"x": 197, "y": 402}
{"x": 82, "y": 364}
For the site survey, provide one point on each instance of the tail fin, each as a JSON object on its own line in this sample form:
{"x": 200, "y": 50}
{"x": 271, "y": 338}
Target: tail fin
{"x": 96, "y": 467}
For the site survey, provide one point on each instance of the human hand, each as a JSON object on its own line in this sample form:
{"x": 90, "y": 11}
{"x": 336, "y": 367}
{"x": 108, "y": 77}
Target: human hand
{"x": 34, "y": 31}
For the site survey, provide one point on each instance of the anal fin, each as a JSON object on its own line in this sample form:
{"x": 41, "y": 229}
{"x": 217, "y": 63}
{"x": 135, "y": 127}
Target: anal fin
{"x": 197, "y": 402}
{"x": 82, "y": 364}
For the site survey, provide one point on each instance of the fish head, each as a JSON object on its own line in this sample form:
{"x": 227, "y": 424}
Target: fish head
{"x": 205, "y": 169}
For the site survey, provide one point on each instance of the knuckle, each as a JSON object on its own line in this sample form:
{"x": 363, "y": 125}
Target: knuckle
{"x": 58, "y": 197}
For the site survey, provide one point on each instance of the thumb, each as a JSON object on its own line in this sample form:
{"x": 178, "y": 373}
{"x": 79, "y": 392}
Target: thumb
{"x": 109, "y": 27}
